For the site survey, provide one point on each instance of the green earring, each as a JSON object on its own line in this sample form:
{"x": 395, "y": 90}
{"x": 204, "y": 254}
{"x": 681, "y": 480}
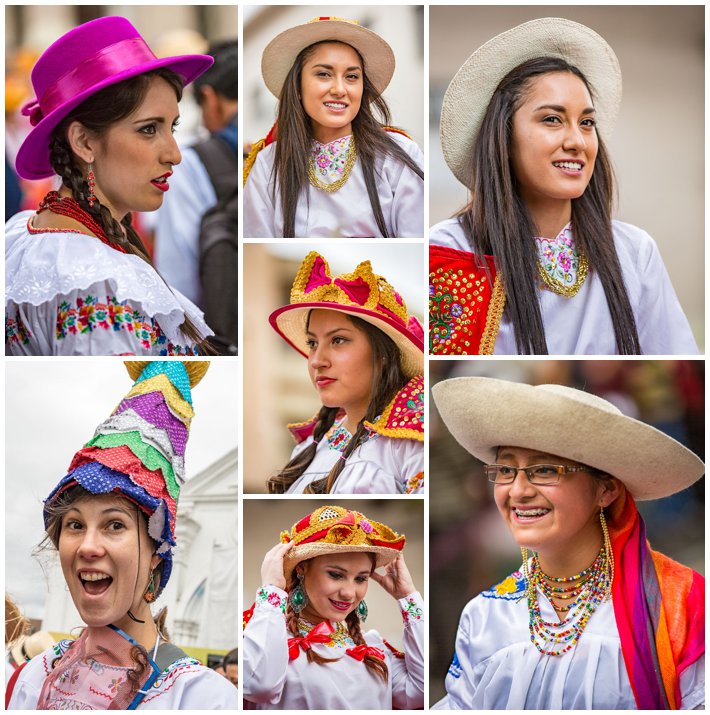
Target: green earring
{"x": 362, "y": 611}
{"x": 298, "y": 598}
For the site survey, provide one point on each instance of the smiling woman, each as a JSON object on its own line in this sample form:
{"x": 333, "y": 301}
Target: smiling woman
{"x": 112, "y": 520}
{"x": 541, "y": 266}
{"x": 327, "y": 156}
{"x": 365, "y": 359}
{"x": 79, "y": 280}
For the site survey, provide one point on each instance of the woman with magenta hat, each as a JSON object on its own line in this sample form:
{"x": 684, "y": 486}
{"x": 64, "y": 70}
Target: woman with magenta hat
{"x": 331, "y": 166}
{"x": 112, "y": 521}
{"x": 594, "y": 618}
{"x": 78, "y": 279}
{"x": 539, "y": 265}
{"x": 365, "y": 359}
{"x": 304, "y": 646}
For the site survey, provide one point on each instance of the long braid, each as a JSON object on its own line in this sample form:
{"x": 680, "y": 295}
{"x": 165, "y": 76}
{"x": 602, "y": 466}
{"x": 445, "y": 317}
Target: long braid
{"x": 375, "y": 665}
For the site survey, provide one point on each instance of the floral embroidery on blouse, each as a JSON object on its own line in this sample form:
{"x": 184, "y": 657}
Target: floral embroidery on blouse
{"x": 89, "y": 314}
{"x": 338, "y": 437}
{"x": 415, "y": 484}
{"x": 511, "y": 588}
{"x": 167, "y": 678}
{"x": 329, "y": 159}
{"x": 16, "y": 331}
{"x": 559, "y": 257}
{"x": 339, "y": 637}
{"x": 272, "y": 598}
{"x": 411, "y": 612}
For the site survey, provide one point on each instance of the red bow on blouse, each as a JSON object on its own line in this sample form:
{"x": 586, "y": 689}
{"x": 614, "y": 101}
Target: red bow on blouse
{"x": 360, "y": 651}
{"x": 320, "y": 634}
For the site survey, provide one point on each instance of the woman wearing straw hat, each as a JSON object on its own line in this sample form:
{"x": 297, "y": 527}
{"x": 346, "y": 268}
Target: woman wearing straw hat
{"x": 303, "y": 642}
{"x": 365, "y": 359}
{"x": 78, "y": 279}
{"x": 594, "y": 619}
{"x": 112, "y": 521}
{"x": 328, "y": 157}
{"x": 540, "y": 265}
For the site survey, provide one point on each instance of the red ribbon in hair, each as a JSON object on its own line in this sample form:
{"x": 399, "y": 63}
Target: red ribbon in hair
{"x": 360, "y": 651}
{"x": 320, "y": 634}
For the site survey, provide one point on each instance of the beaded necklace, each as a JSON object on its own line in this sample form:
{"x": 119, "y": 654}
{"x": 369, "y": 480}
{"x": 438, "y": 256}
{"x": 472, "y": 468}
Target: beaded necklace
{"x": 585, "y": 592}
{"x": 69, "y": 207}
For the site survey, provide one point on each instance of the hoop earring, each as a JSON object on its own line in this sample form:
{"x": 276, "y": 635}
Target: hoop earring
{"x": 362, "y": 611}
{"x": 149, "y": 595}
{"x": 91, "y": 181}
{"x": 607, "y": 547}
{"x": 298, "y": 598}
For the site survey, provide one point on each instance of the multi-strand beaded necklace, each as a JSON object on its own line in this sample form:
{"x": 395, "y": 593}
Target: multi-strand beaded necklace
{"x": 581, "y": 594}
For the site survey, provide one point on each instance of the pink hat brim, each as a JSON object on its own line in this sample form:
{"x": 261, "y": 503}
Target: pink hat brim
{"x": 32, "y": 160}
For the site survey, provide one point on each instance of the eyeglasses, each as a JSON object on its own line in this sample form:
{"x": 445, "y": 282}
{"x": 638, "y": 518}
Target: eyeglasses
{"x": 541, "y": 474}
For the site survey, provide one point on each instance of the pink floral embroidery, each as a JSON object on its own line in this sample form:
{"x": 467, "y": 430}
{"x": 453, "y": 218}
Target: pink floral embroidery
{"x": 330, "y": 158}
{"x": 559, "y": 257}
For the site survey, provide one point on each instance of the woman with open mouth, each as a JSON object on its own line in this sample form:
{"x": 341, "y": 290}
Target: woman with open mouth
{"x": 540, "y": 266}
{"x": 79, "y": 280}
{"x": 304, "y": 646}
{"x": 328, "y": 159}
{"x": 112, "y": 521}
{"x": 366, "y": 360}
{"x": 594, "y": 618}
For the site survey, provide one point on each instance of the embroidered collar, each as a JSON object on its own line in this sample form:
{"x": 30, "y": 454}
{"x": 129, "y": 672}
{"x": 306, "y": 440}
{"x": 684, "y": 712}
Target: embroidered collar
{"x": 339, "y": 637}
{"x": 559, "y": 257}
{"x": 329, "y": 159}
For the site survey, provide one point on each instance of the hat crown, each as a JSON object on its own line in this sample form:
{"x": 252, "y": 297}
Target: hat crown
{"x": 585, "y": 398}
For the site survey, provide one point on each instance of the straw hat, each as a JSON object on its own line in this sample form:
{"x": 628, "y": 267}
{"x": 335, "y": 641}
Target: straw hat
{"x": 281, "y": 52}
{"x": 80, "y": 63}
{"x": 467, "y": 98}
{"x": 361, "y": 293}
{"x": 336, "y": 530}
{"x": 28, "y": 647}
{"x": 484, "y": 414}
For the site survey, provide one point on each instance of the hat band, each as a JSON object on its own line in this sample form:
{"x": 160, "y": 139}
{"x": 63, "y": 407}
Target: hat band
{"x": 105, "y": 63}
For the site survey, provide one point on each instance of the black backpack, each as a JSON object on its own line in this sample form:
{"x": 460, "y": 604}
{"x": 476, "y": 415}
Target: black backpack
{"x": 219, "y": 245}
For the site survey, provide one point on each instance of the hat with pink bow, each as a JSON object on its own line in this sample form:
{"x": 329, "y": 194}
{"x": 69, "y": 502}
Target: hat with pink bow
{"x": 361, "y": 293}
{"x": 86, "y": 59}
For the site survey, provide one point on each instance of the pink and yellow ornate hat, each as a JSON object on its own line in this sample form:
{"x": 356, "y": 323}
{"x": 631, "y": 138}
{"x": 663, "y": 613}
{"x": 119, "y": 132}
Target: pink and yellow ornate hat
{"x": 361, "y": 293}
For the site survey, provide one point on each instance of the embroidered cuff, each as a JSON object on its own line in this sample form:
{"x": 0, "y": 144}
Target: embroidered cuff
{"x": 412, "y": 608}
{"x": 414, "y": 484}
{"x": 271, "y": 597}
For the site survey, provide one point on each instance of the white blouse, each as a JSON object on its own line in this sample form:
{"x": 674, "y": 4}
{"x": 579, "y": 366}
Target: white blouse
{"x": 69, "y": 293}
{"x": 497, "y": 667}
{"x": 582, "y": 325}
{"x": 273, "y": 682}
{"x": 345, "y": 212}
{"x": 184, "y": 685}
{"x": 381, "y": 465}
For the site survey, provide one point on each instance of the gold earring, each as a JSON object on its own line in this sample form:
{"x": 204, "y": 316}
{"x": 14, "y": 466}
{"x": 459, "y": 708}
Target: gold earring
{"x": 607, "y": 548}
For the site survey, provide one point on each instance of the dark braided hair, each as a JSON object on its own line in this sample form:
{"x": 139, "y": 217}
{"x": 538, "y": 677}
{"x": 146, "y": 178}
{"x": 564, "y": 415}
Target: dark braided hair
{"x": 387, "y": 380}
{"x": 375, "y": 665}
{"x": 97, "y": 113}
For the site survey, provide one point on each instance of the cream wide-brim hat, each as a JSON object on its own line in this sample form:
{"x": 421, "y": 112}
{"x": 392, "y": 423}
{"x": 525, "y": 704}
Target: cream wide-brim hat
{"x": 281, "y": 52}
{"x": 484, "y": 414}
{"x": 467, "y": 97}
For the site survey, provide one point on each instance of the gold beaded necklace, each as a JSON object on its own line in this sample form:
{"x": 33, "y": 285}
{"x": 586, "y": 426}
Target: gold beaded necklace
{"x": 557, "y": 287}
{"x": 338, "y": 183}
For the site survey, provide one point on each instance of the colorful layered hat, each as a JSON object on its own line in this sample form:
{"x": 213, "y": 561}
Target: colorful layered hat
{"x": 336, "y": 530}
{"x": 80, "y": 63}
{"x": 361, "y": 293}
{"x": 139, "y": 451}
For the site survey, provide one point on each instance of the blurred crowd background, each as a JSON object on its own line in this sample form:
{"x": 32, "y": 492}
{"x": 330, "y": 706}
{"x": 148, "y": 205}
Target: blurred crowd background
{"x": 657, "y": 145}
{"x": 471, "y": 549}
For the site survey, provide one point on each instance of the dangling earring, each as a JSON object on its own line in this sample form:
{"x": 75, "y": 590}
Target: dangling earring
{"x": 362, "y": 611}
{"x": 91, "y": 181}
{"x": 298, "y": 598}
{"x": 149, "y": 595}
{"x": 607, "y": 548}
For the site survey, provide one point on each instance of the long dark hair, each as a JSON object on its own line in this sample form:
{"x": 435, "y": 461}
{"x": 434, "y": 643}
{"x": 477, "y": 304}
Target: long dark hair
{"x": 97, "y": 113}
{"x": 295, "y": 138}
{"x": 387, "y": 380}
{"x": 497, "y": 222}
{"x": 352, "y": 620}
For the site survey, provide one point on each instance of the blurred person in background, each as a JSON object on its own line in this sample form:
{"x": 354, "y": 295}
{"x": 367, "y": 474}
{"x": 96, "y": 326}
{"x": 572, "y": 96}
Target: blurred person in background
{"x": 79, "y": 280}
{"x": 542, "y": 268}
{"x": 231, "y": 666}
{"x": 112, "y": 521}
{"x": 593, "y": 619}
{"x": 366, "y": 360}
{"x": 16, "y": 626}
{"x": 196, "y": 229}
{"x": 328, "y": 157}
{"x": 304, "y": 646}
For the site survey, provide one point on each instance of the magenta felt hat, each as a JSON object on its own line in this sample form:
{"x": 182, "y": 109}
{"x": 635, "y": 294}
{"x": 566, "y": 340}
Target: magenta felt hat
{"x": 88, "y": 58}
